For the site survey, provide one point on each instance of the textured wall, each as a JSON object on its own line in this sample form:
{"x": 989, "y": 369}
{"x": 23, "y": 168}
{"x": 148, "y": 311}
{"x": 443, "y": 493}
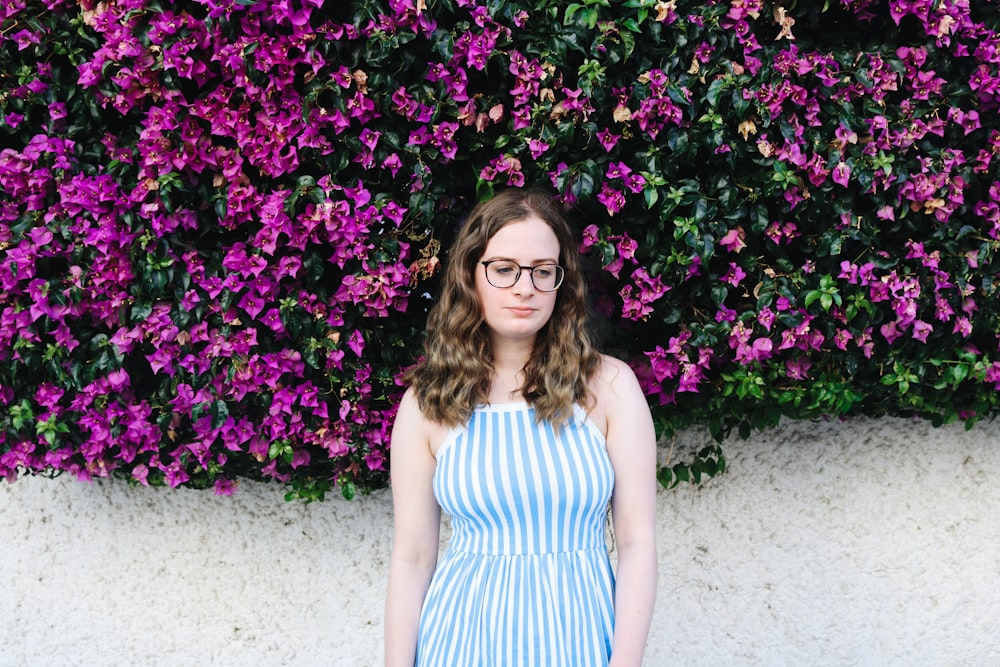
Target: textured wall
{"x": 873, "y": 542}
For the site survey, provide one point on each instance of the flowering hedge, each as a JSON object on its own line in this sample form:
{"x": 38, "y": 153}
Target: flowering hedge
{"x": 222, "y": 220}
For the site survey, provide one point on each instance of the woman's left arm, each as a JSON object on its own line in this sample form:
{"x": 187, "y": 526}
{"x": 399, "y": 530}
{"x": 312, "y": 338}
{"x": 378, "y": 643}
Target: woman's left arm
{"x": 631, "y": 443}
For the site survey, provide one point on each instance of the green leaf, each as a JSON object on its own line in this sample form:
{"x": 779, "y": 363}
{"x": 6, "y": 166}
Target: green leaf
{"x": 714, "y": 91}
{"x": 651, "y": 196}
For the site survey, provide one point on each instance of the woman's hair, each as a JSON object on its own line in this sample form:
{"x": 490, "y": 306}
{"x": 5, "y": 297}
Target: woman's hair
{"x": 455, "y": 374}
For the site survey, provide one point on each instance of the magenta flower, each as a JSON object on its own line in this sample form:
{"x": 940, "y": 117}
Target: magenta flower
{"x": 272, "y": 319}
{"x": 735, "y": 275}
{"x": 962, "y": 326}
{"x": 725, "y": 314}
{"x": 942, "y": 309}
{"x": 638, "y": 297}
{"x": 225, "y": 487}
{"x": 890, "y": 332}
{"x": 443, "y": 136}
{"x": 765, "y": 316}
{"x": 626, "y": 246}
{"x": 664, "y": 367}
{"x": 635, "y": 183}
{"x": 733, "y": 241}
{"x": 608, "y": 139}
{"x": 356, "y": 342}
{"x": 590, "y": 237}
{"x": 841, "y": 338}
{"x": 841, "y": 174}
{"x": 921, "y": 330}
{"x": 748, "y": 353}
{"x": 25, "y": 38}
{"x": 504, "y": 164}
{"x": 537, "y": 147}
{"x": 798, "y": 368}
{"x": 140, "y": 473}
{"x": 618, "y": 170}
{"x": 612, "y": 199}
{"x": 691, "y": 376}
{"x": 845, "y": 136}
{"x": 864, "y": 341}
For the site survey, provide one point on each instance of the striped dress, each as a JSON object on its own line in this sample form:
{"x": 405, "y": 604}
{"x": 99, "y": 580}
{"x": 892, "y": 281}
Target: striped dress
{"x": 526, "y": 580}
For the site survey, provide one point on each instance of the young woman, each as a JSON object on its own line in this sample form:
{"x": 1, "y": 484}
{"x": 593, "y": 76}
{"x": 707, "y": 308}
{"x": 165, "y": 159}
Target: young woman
{"x": 523, "y": 433}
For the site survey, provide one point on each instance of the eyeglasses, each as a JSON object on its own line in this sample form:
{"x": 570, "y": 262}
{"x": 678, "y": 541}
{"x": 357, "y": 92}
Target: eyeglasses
{"x": 504, "y": 273}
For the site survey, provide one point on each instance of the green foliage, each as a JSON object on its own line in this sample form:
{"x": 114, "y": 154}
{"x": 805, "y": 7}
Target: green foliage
{"x": 223, "y": 224}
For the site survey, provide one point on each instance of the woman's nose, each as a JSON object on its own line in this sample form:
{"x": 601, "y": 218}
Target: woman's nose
{"x": 523, "y": 283}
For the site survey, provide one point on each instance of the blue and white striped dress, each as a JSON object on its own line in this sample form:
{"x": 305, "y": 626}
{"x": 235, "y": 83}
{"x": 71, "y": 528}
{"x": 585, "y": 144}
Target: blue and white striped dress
{"x": 526, "y": 580}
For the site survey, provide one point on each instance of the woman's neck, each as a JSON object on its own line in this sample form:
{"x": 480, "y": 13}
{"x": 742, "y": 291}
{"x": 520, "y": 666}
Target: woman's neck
{"x": 511, "y": 355}
{"x": 509, "y": 360}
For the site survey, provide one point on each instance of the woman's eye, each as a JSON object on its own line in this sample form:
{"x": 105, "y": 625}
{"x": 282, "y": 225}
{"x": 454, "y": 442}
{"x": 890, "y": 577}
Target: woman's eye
{"x": 543, "y": 273}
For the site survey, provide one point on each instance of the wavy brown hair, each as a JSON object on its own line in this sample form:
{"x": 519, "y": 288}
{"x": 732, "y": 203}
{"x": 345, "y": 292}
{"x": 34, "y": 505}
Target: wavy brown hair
{"x": 455, "y": 374}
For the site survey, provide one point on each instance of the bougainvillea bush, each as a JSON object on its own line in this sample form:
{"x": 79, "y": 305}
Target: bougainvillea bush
{"x": 222, "y": 222}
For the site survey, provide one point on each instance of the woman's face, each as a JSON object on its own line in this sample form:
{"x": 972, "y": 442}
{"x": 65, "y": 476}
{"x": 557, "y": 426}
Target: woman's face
{"x": 517, "y": 313}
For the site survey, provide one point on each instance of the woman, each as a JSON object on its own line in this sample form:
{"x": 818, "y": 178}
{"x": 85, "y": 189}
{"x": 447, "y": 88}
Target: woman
{"x": 523, "y": 433}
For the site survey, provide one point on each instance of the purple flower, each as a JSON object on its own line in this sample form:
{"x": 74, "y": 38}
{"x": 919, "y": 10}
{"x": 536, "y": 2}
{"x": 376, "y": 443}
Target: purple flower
{"x": 759, "y": 350}
{"x": 664, "y": 367}
{"x": 504, "y": 164}
{"x": 537, "y": 147}
{"x": 942, "y": 309}
{"x": 590, "y": 237}
{"x": 118, "y": 379}
{"x": 140, "y": 473}
{"x": 766, "y": 318}
{"x": 25, "y": 38}
{"x": 890, "y": 332}
{"x": 175, "y": 474}
{"x": 626, "y": 246}
{"x": 608, "y": 139}
{"x": 638, "y": 297}
{"x": 691, "y": 376}
{"x": 725, "y": 314}
{"x": 842, "y": 174}
{"x": 798, "y": 368}
{"x": 635, "y": 183}
{"x": 993, "y": 374}
{"x": 356, "y": 342}
{"x": 618, "y": 170}
{"x": 921, "y": 330}
{"x": 224, "y": 487}
{"x": 733, "y": 241}
{"x": 963, "y": 326}
{"x": 613, "y": 200}
{"x": 272, "y": 319}
{"x": 778, "y": 232}
{"x": 735, "y": 275}
{"x": 864, "y": 341}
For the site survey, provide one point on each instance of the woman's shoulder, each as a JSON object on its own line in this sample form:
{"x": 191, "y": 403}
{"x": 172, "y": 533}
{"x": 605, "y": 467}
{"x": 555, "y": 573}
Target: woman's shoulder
{"x": 612, "y": 385}
{"x": 621, "y": 407}
{"x": 613, "y": 375}
{"x": 411, "y": 419}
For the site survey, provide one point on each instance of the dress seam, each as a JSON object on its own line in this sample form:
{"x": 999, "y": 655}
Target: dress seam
{"x": 601, "y": 548}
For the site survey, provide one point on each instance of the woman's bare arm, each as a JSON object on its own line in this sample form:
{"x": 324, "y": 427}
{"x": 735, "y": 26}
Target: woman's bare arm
{"x": 631, "y": 443}
{"x": 416, "y": 530}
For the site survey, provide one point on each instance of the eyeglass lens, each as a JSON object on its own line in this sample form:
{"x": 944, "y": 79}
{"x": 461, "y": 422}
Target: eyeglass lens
{"x": 545, "y": 277}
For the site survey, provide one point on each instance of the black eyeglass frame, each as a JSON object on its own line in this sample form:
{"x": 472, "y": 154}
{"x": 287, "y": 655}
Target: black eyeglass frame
{"x": 531, "y": 274}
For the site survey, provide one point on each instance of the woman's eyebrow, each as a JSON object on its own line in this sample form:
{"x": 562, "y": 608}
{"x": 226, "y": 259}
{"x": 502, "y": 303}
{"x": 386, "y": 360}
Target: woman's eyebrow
{"x": 534, "y": 262}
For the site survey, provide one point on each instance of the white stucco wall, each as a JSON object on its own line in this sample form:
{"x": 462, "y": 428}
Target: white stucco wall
{"x": 873, "y": 542}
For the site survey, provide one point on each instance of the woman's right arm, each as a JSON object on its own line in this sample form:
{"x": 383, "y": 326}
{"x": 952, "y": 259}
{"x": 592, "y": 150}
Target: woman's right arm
{"x": 416, "y": 530}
